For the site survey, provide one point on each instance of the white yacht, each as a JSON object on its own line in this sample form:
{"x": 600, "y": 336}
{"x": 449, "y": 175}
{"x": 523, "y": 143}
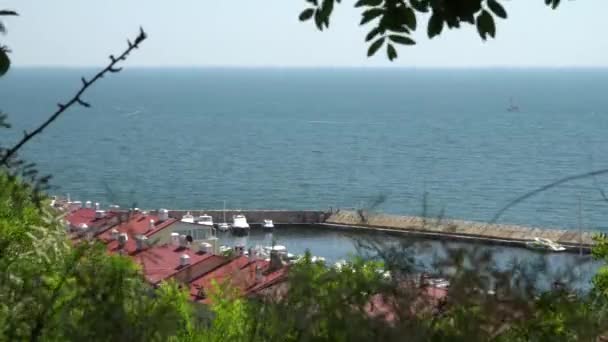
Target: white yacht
{"x": 545, "y": 244}
{"x": 188, "y": 218}
{"x": 240, "y": 225}
{"x": 224, "y": 226}
{"x": 279, "y": 248}
{"x": 205, "y": 220}
{"x": 268, "y": 224}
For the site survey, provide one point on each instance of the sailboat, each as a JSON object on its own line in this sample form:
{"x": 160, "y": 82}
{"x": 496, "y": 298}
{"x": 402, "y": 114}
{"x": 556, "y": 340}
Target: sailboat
{"x": 513, "y": 108}
{"x": 224, "y": 226}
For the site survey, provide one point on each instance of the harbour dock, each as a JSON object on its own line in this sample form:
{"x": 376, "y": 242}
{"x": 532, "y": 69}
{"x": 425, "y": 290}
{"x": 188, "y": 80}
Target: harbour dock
{"x": 432, "y": 228}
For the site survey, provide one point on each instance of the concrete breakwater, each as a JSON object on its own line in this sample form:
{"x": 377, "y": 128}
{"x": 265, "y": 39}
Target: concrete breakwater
{"x": 457, "y": 229}
{"x": 258, "y": 216}
{"x": 433, "y": 228}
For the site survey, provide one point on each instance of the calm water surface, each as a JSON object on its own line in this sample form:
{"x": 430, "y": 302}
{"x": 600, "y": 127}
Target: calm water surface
{"x": 311, "y": 139}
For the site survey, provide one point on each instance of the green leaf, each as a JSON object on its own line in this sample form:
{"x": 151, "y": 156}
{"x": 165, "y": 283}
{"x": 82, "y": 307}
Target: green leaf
{"x": 497, "y": 9}
{"x": 485, "y": 25}
{"x": 319, "y": 20}
{"x": 372, "y": 34}
{"x": 435, "y": 25}
{"x": 5, "y": 62}
{"x": 307, "y": 14}
{"x": 410, "y": 18}
{"x": 391, "y": 52}
{"x": 368, "y": 3}
{"x": 375, "y": 46}
{"x": 370, "y": 15}
{"x": 8, "y": 12}
{"x": 420, "y": 5}
{"x": 401, "y": 39}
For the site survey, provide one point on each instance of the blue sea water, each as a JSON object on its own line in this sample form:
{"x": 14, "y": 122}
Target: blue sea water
{"x": 315, "y": 138}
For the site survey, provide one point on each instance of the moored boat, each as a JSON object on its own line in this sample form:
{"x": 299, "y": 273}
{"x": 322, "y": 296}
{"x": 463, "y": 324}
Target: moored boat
{"x": 240, "y": 225}
{"x": 268, "y": 224}
{"x": 545, "y": 245}
{"x": 187, "y": 218}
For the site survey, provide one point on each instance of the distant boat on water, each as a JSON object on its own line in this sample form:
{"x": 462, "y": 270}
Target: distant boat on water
{"x": 513, "y": 108}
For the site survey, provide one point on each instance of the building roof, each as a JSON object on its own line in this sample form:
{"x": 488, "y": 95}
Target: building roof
{"x": 136, "y": 225}
{"x": 241, "y": 274}
{"x": 163, "y": 262}
{"x": 87, "y": 216}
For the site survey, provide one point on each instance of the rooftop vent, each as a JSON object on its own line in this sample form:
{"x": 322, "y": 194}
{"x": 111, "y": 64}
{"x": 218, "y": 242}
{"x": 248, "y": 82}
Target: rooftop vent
{"x": 122, "y": 239}
{"x": 151, "y": 225}
{"x": 205, "y": 247}
{"x": 184, "y": 260}
{"x": 114, "y": 234}
{"x": 141, "y": 242}
{"x": 183, "y": 242}
{"x": 100, "y": 214}
{"x": 175, "y": 239}
{"x": 87, "y": 204}
{"x": 163, "y": 215}
{"x": 97, "y": 206}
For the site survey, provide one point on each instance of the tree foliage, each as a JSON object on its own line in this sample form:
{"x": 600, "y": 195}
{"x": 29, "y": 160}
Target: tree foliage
{"x": 393, "y": 21}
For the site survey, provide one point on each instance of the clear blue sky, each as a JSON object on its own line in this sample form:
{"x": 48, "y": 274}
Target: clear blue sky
{"x": 268, "y": 33}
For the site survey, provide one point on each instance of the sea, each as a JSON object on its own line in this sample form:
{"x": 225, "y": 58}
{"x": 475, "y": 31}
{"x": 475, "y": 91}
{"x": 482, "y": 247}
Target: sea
{"x": 438, "y": 142}
{"x": 433, "y": 142}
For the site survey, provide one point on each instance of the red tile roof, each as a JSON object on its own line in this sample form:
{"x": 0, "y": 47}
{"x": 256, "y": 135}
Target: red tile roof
{"x": 137, "y": 224}
{"x": 163, "y": 262}
{"x": 240, "y": 273}
{"x": 87, "y": 216}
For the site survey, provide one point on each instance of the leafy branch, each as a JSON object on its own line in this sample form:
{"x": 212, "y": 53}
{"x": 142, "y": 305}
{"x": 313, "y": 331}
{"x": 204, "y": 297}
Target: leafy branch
{"x": 76, "y": 99}
{"x": 395, "y": 20}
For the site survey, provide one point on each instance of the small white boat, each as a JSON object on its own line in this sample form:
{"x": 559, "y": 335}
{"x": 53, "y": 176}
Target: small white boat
{"x": 545, "y": 244}
{"x": 279, "y": 248}
{"x": 205, "y": 220}
{"x": 223, "y": 227}
{"x": 268, "y": 224}
{"x": 240, "y": 225}
{"x": 188, "y": 218}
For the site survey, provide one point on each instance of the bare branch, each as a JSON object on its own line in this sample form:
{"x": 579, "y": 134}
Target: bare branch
{"x": 547, "y": 187}
{"x": 75, "y": 99}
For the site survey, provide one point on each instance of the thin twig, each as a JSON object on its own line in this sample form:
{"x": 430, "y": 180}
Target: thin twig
{"x": 547, "y": 187}
{"x": 76, "y": 98}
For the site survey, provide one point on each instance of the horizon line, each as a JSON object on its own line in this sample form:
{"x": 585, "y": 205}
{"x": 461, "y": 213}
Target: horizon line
{"x": 388, "y": 67}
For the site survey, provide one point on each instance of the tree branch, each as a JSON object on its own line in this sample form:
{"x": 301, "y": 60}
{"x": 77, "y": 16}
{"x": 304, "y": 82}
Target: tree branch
{"x": 547, "y": 187}
{"x": 111, "y": 68}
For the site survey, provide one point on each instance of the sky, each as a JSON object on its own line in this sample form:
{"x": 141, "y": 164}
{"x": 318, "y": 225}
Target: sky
{"x": 256, "y": 33}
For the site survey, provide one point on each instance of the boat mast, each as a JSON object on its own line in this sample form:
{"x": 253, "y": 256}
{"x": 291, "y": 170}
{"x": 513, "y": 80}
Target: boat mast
{"x": 580, "y": 226}
{"x": 224, "y": 211}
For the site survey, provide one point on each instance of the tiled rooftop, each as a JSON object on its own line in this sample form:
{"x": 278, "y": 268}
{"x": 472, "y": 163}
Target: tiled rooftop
{"x": 136, "y": 225}
{"x": 163, "y": 262}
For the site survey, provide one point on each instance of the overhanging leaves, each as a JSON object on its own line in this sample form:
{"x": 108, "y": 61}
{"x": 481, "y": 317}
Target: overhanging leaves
{"x": 5, "y": 62}
{"x": 375, "y": 46}
{"x": 497, "y": 9}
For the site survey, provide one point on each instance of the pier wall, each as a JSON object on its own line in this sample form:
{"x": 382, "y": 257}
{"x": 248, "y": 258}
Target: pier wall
{"x": 258, "y": 216}
{"x": 447, "y": 228}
